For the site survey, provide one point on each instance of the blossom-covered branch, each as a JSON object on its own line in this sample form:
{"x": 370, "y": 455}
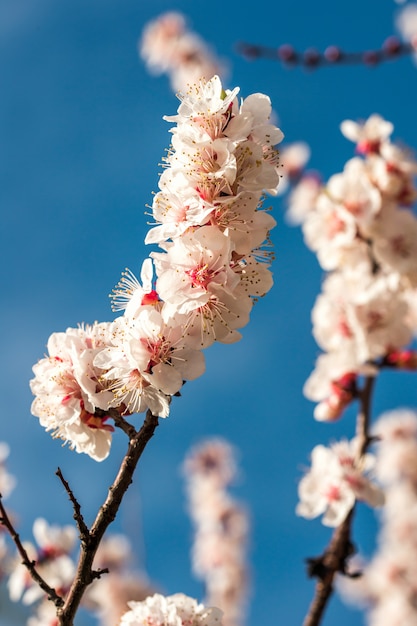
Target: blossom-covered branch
{"x": 365, "y": 235}
{"x": 338, "y": 476}
{"x": 213, "y": 265}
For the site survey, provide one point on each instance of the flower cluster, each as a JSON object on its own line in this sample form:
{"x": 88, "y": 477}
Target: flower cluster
{"x": 69, "y": 389}
{"x": 388, "y": 582}
{"x": 337, "y": 478}
{"x": 365, "y": 235}
{"x": 212, "y": 231}
{"x": 175, "y": 610}
{"x": 221, "y": 528}
{"x": 167, "y": 46}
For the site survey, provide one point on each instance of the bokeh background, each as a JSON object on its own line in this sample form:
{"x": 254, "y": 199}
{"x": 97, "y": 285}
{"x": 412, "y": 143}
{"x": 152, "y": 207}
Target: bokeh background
{"x": 82, "y": 137}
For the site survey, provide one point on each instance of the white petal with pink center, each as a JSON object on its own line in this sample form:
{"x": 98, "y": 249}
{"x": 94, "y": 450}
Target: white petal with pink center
{"x": 130, "y": 295}
{"x": 395, "y": 243}
{"x": 176, "y": 212}
{"x": 192, "y": 266}
{"x": 368, "y": 134}
{"x": 336, "y": 479}
{"x": 331, "y": 232}
{"x": 353, "y": 189}
{"x": 68, "y": 390}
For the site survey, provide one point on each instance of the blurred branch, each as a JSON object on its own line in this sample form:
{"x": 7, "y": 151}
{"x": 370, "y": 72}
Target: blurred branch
{"x": 85, "y": 573}
{"x": 30, "y": 565}
{"x": 364, "y": 415}
{"x": 311, "y": 58}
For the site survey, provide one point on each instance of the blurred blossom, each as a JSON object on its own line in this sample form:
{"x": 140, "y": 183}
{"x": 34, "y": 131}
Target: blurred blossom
{"x": 167, "y": 46}
{"x": 294, "y": 157}
{"x": 337, "y": 479}
{"x": 221, "y": 528}
{"x": 388, "y": 581}
{"x": 52, "y": 561}
{"x": 44, "y": 615}
{"x": 361, "y": 227}
{"x": 406, "y": 23}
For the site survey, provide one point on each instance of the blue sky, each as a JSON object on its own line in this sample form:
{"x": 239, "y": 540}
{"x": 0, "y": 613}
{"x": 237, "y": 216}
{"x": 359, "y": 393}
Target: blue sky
{"x": 82, "y": 136}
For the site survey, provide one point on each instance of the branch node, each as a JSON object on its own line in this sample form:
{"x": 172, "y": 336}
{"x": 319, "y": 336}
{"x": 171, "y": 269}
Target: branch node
{"x": 99, "y": 572}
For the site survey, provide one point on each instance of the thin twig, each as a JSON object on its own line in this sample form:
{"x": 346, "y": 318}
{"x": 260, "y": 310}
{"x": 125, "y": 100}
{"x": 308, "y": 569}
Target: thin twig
{"x": 82, "y": 526}
{"x": 340, "y": 547}
{"x": 391, "y": 49}
{"x": 30, "y": 565}
{"x": 85, "y": 573}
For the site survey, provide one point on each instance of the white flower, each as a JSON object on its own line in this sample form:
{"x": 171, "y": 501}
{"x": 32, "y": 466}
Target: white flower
{"x": 68, "y": 390}
{"x": 293, "y": 157}
{"x": 252, "y": 121}
{"x": 354, "y": 190}
{"x": 130, "y": 295}
{"x": 336, "y": 479}
{"x": 175, "y": 610}
{"x": 395, "y": 243}
{"x": 203, "y": 106}
{"x": 365, "y": 312}
{"x": 257, "y": 168}
{"x": 396, "y": 432}
{"x": 369, "y": 134}
{"x": 393, "y": 172}
{"x": 176, "y": 211}
{"x": 302, "y": 198}
{"x": 192, "y": 266}
{"x": 148, "y": 361}
{"x": 53, "y": 540}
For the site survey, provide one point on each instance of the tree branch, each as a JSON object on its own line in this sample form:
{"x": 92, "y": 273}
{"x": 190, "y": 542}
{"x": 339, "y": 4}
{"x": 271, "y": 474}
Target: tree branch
{"x": 364, "y": 415}
{"x": 340, "y": 547}
{"x": 30, "y": 565}
{"x": 332, "y": 562}
{"x": 82, "y": 526}
{"x": 85, "y": 573}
